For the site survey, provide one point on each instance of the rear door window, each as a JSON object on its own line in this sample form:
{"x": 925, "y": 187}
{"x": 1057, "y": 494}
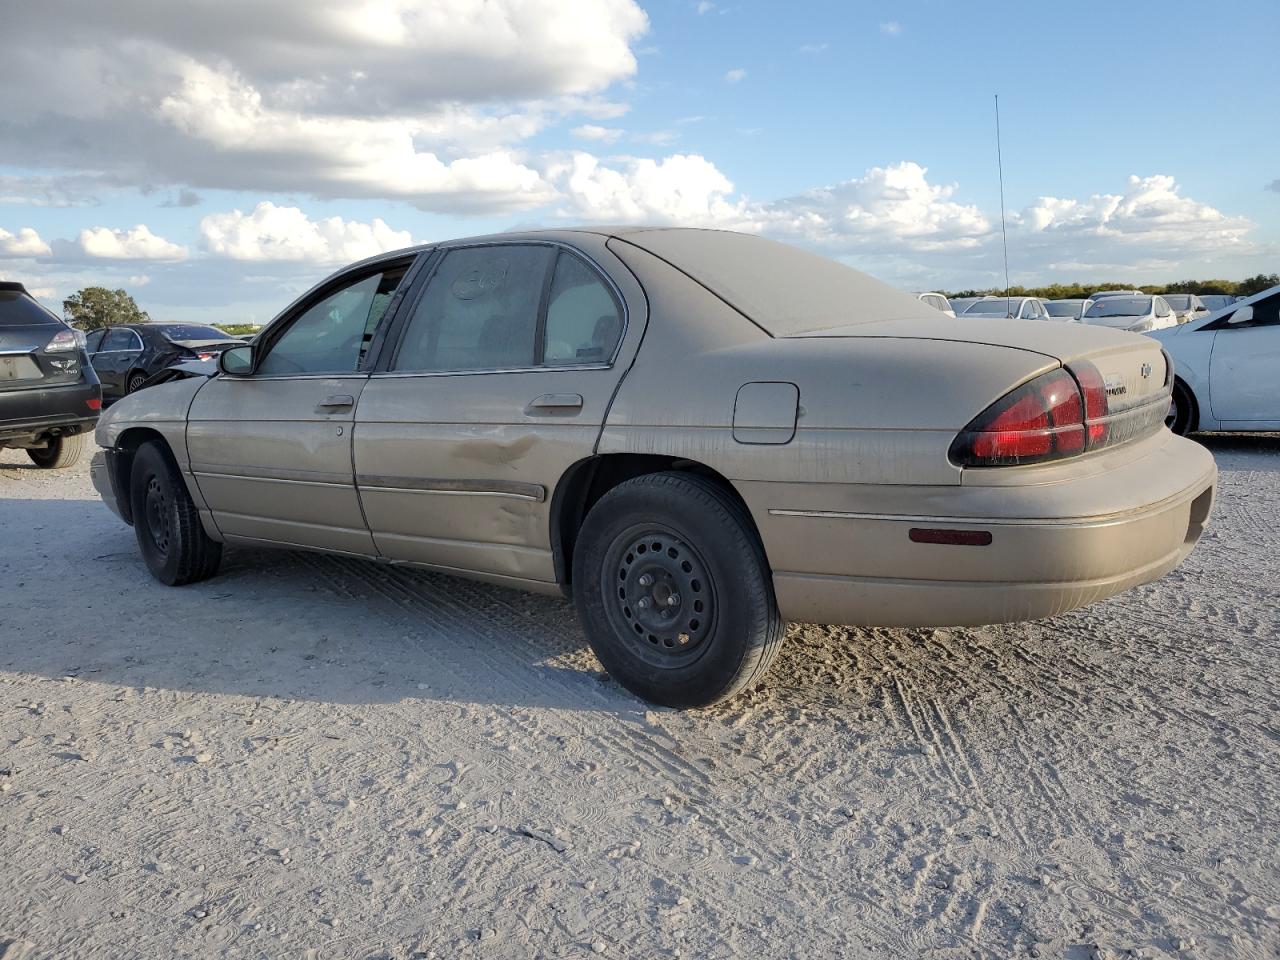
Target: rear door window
{"x": 121, "y": 338}
{"x": 94, "y": 341}
{"x": 479, "y": 311}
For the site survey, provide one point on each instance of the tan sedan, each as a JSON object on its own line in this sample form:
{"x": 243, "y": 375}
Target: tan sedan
{"x": 696, "y": 434}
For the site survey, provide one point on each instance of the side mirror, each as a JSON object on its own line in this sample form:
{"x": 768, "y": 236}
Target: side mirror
{"x": 1242, "y": 315}
{"x": 236, "y": 362}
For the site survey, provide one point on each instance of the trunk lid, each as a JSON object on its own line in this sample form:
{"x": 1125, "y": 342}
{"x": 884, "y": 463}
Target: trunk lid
{"x": 1133, "y": 367}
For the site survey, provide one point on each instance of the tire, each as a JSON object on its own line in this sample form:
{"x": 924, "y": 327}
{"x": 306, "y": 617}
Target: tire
{"x": 166, "y": 522}
{"x": 704, "y": 626}
{"x": 135, "y": 382}
{"x": 61, "y": 453}
{"x": 1182, "y": 410}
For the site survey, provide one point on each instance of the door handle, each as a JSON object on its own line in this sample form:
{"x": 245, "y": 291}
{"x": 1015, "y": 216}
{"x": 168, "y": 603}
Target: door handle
{"x": 556, "y": 403}
{"x": 338, "y": 402}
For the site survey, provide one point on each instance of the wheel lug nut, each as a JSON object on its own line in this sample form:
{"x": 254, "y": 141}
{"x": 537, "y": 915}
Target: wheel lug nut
{"x": 673, "y": 600}
{"x": 643, "y": 603}
{"x": 646, "y": 580}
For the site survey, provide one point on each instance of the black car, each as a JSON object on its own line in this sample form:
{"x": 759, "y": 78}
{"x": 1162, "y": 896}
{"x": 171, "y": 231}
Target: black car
{"x": 49, "y": 394}
{"x": 127, "y": 356}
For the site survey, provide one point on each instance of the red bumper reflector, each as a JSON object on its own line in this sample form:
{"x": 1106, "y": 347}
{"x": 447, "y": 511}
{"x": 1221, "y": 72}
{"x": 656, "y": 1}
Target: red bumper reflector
{"x": 94, "y": 403}
{"x": 957, "y": 538}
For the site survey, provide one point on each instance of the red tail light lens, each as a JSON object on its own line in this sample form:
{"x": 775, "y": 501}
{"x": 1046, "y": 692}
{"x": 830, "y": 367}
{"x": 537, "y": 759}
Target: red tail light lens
{"x": 94, "y": 403}
{"x": 1094, "y": 390}
{"x": 1041, "y": 420}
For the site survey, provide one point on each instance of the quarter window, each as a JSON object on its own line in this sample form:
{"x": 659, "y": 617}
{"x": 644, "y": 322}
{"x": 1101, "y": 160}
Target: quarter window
{"x": 584, "y": 323}
{"x": 331, "y": 336}
{"x": 479, "y": 312}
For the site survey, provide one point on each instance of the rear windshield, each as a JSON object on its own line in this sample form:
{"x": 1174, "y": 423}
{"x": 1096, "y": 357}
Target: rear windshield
{"x": 786, "y": 291}
{"x": 1063, "y": 308}
{"x": 1121, "y": 307}
{"x": 1216, "y": 301}
{"x": 19, "y": 310}
{"x": 190, "y": 331}
{"x": 1178, "y": 302}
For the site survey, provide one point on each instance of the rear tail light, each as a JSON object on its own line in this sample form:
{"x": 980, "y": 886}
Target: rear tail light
{"x": 1062, "y": 413}
{"x": 62, "y": 342}
{"x": 94, "y": 403}
{"x": 1041, "y": 420}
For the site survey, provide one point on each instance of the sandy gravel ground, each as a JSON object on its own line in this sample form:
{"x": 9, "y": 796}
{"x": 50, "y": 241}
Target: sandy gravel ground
{"x": 319, "y": 758}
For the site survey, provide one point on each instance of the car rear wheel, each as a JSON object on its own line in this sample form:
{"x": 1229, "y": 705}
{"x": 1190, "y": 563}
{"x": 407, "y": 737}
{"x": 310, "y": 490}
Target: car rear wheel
{"x": 166, "y": 522}
{"x": 62, "y": 452}
{"x": 674, "y": 592}
{"x": 135, "y": 382}
{"x": 1181, "y": 418}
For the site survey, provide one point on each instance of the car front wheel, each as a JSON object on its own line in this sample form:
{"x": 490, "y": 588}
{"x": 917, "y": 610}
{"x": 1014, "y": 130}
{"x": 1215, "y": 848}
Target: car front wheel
{"x": 166, "y": 522}
{"x": 674, "y": 591}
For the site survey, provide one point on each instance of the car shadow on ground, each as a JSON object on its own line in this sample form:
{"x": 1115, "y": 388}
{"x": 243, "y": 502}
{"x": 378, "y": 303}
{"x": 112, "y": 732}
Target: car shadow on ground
{"x": 296, "y": 625}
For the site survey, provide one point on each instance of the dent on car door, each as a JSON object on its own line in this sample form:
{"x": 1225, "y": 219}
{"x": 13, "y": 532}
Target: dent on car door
{"x": 271, "y": 451}
{"x": 500, "y": 381}
{"x": 1244, "y": 373}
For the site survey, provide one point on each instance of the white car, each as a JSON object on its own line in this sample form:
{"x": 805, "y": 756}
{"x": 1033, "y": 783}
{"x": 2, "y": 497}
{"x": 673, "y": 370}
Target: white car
{"x": 1118, "y": 293}
{"x": 938, "y": 302}
{"x": 1015, "y": 308}
{"x": 1140, "y": 314}
{"x": 1068, "y": 311}
{"x": 1186, "y": 306}
{"x": 1227, "y": 367}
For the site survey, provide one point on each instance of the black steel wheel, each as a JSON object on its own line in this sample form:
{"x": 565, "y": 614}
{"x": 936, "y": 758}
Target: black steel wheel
{"x": 674, "y": 591}
{"x": 664, "y": 594}
{"x": 166, "y": 522}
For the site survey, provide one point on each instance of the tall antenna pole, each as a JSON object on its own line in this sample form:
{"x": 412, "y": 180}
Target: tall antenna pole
{"x": 1004, "y": 233}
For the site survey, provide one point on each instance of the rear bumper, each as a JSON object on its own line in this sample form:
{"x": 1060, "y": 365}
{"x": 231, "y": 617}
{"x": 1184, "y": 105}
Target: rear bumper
{"x": 39, "y": 411}
{"x": 1146, "y": 509}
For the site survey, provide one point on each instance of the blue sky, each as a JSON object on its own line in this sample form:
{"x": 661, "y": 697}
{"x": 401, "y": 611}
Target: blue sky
{"x": 219, "y": 158}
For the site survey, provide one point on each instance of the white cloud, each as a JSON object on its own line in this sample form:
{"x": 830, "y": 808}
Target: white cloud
{"x": 273, "y": 232}
{"x": 138, "y": 243}
{"x": 891, "y": 29}
{"x": 812, "y": 48}
{"x": 736, "y": 75}
{"x": 139, "y": 280}
{"x": 425, "y": 100}
{"x": 590, "y": 131}
{"x": 685, "y": 189}
{"x": 704, "y": 6}
{"x": 655, "y": 137}
{"x": 25, "y": 243}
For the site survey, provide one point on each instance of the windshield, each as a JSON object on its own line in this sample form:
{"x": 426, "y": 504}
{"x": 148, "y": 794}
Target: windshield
{"x": 1120, "y": 307}
{"x": 190, "y": 331}
{"x": 1216, "y": 301}
{"x": 1179, "y": 301}
{"x": 1000, "y": 307}
{"x": 1064, "y": 308}
{"x": 19, "y": 310}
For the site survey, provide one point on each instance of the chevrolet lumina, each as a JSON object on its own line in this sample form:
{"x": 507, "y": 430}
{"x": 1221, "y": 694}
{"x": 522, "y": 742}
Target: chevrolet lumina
{"x": 697, "y": 435}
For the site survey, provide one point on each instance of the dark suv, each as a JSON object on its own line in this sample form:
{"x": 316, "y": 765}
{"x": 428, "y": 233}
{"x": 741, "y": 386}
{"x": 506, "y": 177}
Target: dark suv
{"x": 49, "y": 394}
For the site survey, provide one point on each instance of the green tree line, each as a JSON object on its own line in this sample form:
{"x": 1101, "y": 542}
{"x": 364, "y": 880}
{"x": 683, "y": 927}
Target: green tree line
{"x": 1078, "y": 291}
